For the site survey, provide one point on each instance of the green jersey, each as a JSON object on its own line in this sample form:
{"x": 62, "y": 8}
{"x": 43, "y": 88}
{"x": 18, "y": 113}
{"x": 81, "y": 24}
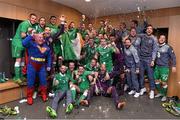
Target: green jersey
{"x": 22, "y": 28}
{"x": 71, "y": 76}
{"x": 39, "y": 29}
{"x": 54, "y": 28}
{"x": 97, "y": 41}
{"x": 72, "y": 33}
{"x": 63, "y": 80}
{"x": 84, "y": 82}
{"x": 105, "y": 56}
{"x": 88, "y": 67}
{"x": 101, "y": 30}
{"x": 90, "y": 53}
{"x": 83, "y": 33}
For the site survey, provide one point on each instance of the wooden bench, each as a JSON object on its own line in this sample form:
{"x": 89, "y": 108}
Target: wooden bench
{"x": 10, "y": 91}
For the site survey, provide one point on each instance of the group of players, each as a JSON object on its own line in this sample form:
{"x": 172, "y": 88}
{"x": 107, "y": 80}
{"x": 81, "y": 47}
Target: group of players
{"x": 77, "y": 63}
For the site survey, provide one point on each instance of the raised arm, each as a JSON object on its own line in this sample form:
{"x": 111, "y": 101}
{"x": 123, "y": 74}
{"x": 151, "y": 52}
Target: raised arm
{"x": 61, "y": 28}
{"x": 27, "y": 42}
{"x": 49, "y": 60}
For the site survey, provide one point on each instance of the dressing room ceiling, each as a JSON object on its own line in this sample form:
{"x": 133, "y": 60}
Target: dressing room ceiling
{"x": 98, "y": 8}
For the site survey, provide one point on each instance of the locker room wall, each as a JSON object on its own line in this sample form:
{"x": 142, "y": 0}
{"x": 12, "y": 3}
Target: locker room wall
{"x": 20, "y": 9}
{"x": 158, "y": 18}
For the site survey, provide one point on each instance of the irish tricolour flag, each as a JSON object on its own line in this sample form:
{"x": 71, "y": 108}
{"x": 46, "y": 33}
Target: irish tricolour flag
{"x": 72, "y": 43}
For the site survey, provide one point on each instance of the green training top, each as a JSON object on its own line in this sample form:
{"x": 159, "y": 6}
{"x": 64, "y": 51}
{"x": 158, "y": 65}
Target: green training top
{"x": 22, "y": 28}
{"x": 88, "y": 67}
{"x": 63, "y": 81}
{"x": 84, "y": 84}
{"x": 54, "y": 28}
{"x": 105, "y": 56}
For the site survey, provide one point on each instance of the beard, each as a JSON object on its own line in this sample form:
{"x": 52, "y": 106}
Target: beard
{"x": 127, "y": 46}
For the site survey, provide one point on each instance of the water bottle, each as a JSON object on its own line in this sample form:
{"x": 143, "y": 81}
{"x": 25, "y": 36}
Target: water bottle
{"x": 3, "y": 76}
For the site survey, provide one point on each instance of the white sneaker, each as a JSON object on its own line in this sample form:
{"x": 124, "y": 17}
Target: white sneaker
{"x": 151, "y": 94}
{"x": 164, "y": 98}
{"x": 136, "y": 95}
{"x": 51, "y": 95}
{"x": 142, "y": 91}
{"x": 131, "y": 92}
{"x": 34, "y": 95}
{"x": 158, "y": 95}
{"x": 125, "y": 87}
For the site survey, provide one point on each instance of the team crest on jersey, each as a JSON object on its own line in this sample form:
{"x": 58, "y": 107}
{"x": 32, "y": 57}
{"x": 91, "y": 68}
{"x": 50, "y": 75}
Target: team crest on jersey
{"x": 102, "y": 53}
{"x": 64, "y": 81}
{"x": 83, "y": 80}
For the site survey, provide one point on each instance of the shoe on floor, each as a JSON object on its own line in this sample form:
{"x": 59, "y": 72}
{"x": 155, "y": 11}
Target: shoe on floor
{"x": 52, "y": 113}
{"x": 166, "y": 104}
{"x": 136, "y": 95}
{"x": 84, "y": 103}
{"x": 170, "y": 110}
{"x": 131, "y": 92}
{"x": 8, "y": 111}
{"x": 177, "y": 109}
{"x": 158, "y": 95}
{"x": 142, "y": 91}
{"x": 121, "y": 105}
{"x": 18, "y": 81}
{"x": 29, "y": 100}
{"x": 151, "y": 94}
{"x": 163, "y": 99}
{"x": 69, "y": 108}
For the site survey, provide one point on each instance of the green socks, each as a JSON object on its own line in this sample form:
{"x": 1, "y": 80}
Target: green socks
{"x": 73, "y": 92}
{"x": 82, "y": 97}
{"x": 158, "y": 87}
{"x": 17, "y": 71}
{"x": 164, "y": 90}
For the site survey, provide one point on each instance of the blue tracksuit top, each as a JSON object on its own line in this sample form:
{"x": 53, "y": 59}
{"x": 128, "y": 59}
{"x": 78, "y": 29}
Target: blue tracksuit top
{"x": 33, "y": 50}
{"x": 136, "y": 41}
{"x": 148, "y": 47}
{"x": 131, "y": 57}
{"x": 165, "y": 55}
